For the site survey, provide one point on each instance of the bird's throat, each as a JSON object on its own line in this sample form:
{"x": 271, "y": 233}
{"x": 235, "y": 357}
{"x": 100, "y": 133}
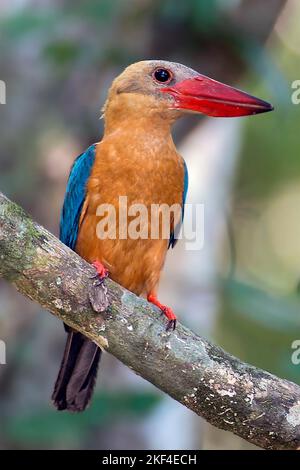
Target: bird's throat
{"x": 137, "y": 116}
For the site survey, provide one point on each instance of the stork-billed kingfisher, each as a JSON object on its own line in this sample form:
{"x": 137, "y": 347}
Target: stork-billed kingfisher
{"x": 136, "y": 158}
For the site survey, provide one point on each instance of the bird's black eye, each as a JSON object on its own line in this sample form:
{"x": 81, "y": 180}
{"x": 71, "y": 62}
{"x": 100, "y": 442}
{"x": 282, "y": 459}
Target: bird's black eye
{"x": 162, "y": 75}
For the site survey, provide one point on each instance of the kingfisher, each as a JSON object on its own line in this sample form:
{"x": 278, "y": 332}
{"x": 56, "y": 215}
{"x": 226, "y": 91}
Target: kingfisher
{"x": 136, "y": 159}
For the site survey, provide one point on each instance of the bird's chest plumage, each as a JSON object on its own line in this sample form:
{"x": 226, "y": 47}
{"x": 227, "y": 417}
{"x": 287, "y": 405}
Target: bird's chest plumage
{"x": 140, "y": 174}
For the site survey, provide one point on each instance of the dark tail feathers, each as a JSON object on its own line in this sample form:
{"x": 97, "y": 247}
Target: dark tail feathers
{"x": 77, "y": 375}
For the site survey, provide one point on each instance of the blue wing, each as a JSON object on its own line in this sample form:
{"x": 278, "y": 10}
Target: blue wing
{"x": 173, "y": 237}
{"x": 75, "y": 196}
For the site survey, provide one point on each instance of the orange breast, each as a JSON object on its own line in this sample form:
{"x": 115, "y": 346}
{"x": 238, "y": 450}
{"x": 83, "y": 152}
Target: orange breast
{"x": 145, "y": 173}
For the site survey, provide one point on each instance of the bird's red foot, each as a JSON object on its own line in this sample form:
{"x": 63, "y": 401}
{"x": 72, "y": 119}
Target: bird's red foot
{"x": 102, "y": 272}
{"x": 167, "y": 311}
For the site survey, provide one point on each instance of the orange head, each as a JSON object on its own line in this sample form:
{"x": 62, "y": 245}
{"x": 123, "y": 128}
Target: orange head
{"x": 168, "y": 90}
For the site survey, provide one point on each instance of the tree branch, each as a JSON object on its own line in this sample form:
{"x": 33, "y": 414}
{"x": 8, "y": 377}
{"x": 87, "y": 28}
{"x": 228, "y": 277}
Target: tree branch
{"x": 230, "y": 394}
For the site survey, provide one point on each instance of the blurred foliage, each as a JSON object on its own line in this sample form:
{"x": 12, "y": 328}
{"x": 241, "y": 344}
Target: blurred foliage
{"x": 270, "y": 156}
{"x": 259, "y": 328}
{"x": 50, "y": 427}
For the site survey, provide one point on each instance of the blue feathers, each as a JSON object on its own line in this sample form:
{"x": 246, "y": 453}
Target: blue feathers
{"x": 75, "y": 196}
{"x": 173, "y": 237}
{"x": 186, "y": 186}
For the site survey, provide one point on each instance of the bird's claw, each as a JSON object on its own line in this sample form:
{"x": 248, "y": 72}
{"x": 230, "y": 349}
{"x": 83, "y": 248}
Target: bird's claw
{"x": 101, "y": 274}
{"x": 171, "y": 325}
{"x": 168, "y": 312}
{"x": 99, "y": 282}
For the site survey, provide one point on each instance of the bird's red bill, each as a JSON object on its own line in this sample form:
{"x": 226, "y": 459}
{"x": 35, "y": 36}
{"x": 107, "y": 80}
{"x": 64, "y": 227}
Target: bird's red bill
{"x": 205, "y": 95}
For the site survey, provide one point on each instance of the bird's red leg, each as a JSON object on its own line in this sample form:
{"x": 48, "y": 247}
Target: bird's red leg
{"x": 102, "y": 272}
{"x": 167, "y": 311}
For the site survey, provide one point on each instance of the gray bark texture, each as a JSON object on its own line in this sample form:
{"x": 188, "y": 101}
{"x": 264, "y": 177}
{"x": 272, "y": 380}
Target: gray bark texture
{"x": 232, "y": 395}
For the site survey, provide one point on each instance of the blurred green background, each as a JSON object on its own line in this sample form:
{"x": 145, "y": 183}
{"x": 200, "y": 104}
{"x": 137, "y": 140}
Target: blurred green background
{"x": 58, "y": 59}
